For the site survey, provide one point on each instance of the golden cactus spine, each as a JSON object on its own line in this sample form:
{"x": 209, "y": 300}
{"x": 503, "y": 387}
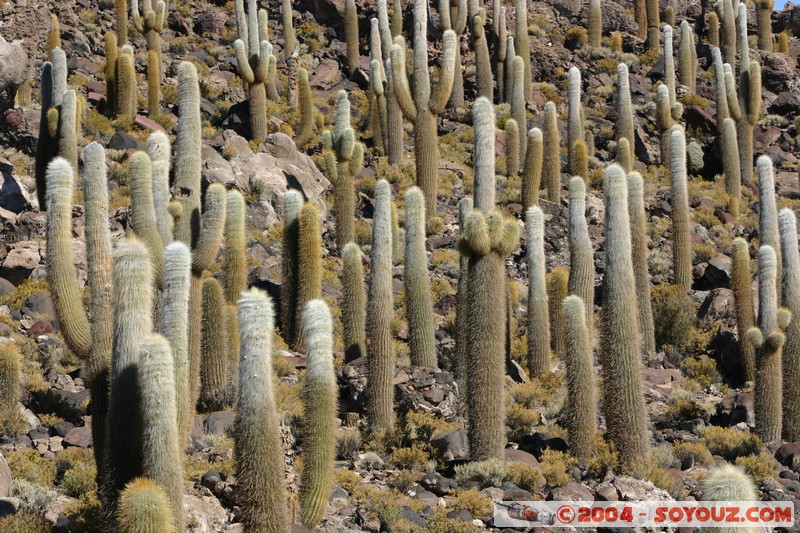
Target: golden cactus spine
{"x": 144, "y": 507}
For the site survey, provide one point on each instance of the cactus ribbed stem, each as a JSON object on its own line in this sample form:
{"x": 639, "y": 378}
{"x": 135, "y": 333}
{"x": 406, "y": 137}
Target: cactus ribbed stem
{"x": 144, "y": 507}
{"x": 45, "y": 147}
{"x": 741, "y": 283}
{"x": 421, "y": 340}
{"x": 289, "y": 35}
{"x": 557, "y": 290}
{"x": 309, "y": 266}
{"x": 380, "y": 311}
{"x": 790, "y": 296}
{"x": 681, "y": 220}
{"x": 213, "y": 365}
{"x": 320, "y": 395}
{"x": 353, "y": 303}
{"x": 639, "y": 253}
{"x": 620, "y": 342}
{"x": 532, "y": 169}
{"x": 723, "y": 111}
{"x": 538, "y": 315}
{"x": 669, "y": 64}
{"x": 126, "y": 83}
{"x": 234, "y": 263}
{"x": 768, "y": 233}
{"x": 500, "y": 48}
{"x": 483, "y": 67}
{"x": 625, "y": 122}
{"x": 306, "y": 105}
{"x": 730, "y": 164}
{"x": 712, "y": 29}
{"x": 121, "y": 18}
{"x": 484, "y": 156}
{"x": 551, "y": 161}
{"x": 261, "y": 490}
{"x": 292, "y": 203}
{"x": 142, "y": 212}
{"x": 581, "y": 254}
{"x": 581, "y": 389}
{"x": 512, "y": 147}
{"x": 594, "y": 24}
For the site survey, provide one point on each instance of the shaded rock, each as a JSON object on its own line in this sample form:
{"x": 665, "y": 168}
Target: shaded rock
{"x": 539, "y": 442}
{"x": 220, "y": 422}
{"x": 787, "y": 454}
{"x": 22, "y": 258}
{"x": 79, "y": 436}
{"x": 572, "y": 491}
{"x": 785, "y": 104}
{"x": 13, "y": 70}
{"x": 452, "y": 445}
{"x": 124, "y": 141}
{"x": 14, "y": 197}
{"x": 9, "y": 506}
{"x": 519, "y": 456}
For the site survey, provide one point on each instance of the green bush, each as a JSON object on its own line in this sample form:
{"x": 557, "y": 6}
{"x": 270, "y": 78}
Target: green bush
{"x": 673, "y": 316}
{"x": 730, "y": 443}
{"x": 555, "y": 466}
{"x": 28, "y": 465}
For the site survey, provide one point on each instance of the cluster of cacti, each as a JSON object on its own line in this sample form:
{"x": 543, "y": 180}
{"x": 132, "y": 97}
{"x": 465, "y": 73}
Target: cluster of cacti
{"x": 790, "y": 297}
{"x": 423, "y": 105}
{"x": 256, "y": 63}
{"x": 581, "y": 393}
{"x": 639, "y": 253}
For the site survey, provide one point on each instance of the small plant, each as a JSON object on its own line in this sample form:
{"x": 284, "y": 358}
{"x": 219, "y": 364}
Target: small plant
{"x": 760, "y": 466}
{"x": 555, "y": 466}
{"x": 525, "y": 476}
{"x": 673, "y": 316}
{"x": 731, "y": 443}
{"x": 491, "y": 472}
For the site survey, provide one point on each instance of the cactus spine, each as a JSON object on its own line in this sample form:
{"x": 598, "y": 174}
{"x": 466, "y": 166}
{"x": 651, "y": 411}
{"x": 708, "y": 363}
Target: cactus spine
{"x": 581, "y": 254}
{"x": 764, "y": 9}
{"x": 750, "y": 102}
{"x": 582, "y": 394}
{"x": 741, "y": 284}
{"x": 625, "y": 122}
{"x": 162, "y": 460}
{"x": 380, "y": 311}
{"x": 292, "y": 202}
{"x": 532, "y": 169}
{"x": 309, "y": 266}
{"x": 727, "y": 482}
{"x": 261, "y": 491}
{"x": 551, "y": 161}
{"x": 351, "y": 35}
{"x": 681, "y": 220}
{"x": 213, "y": 366}
{"x": 620, "y": 342}
{"x": 522, "y": 42}
{"x": 768, "y": 340}
{"x": 486, "y": 240}
{"x": 144, "y": 507}
{"x": 730, "y": 163}
{"x": 512, "y": 147}
{"x": 427, "y": 101}
{"x": 132, "y": 280}
{"x": 790, "y": 285}
{"x": 639, "y": 254}
{"x": 421, "y": 340}
{"x": 595, "y": 24}
{"x": 768, "y": 233}
{"x": 320, "y": 398}
{"x": 174, "y": 325}
{"x": 234, "y": 263}
{"x": 538, "y": 314}
{"x": 9, "y": 379}
{"x": 353, "y": 302}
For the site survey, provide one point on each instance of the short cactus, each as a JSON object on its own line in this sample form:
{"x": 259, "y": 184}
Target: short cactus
{"x": 730, "y": 164}
{"x": 518, "y": 103}
{"x": 750, "y": 102}
{"x": 158, "y": 148}
{"x": 639, "y": 253}
{"x": 144, "y": 507}
{"x": 687, "y": 65}
{"x": 581, "y": 390}
{"x": 575, "y": 129}
{"x": 126, "y": 83}
{"x": 557, "y": 282}
{"x": 306, "y": 105}
{"x": 726, "y": 483}
{"x": 712, "y": 29}
{"x": 483, "y": 67}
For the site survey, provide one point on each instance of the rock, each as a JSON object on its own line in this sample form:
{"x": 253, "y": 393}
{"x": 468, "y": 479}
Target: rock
{"x": 631, "y": 489}
{"x": 40, "y": 327}
{"x": 777, "y": 74}
{"x": 614, "y": 18}
{"x": 326, "y": 75}
{"x": 23, "y": 257}
{"x": 568, "y": 8}
{"x": 9, "y": 506}
{"x": 79, "y": 436}
{"x": 572, "y": 491}
{"x": 178, "y": 24}
{"x": 210, "y": 479}
{"x": 5, "y": 477}
{"x": 519, "y": 456}
{"x": 14, "y": 197}
{"x": 607, "y": 492}
{"x": 62, "y": 428}
{"x": 39, "y": 304}
{"x": 539, "y": 442}
{"x": 14, "y": 69}
{"x": 787, "y": 454}
{"x": 717, "y": 273}
{"x": 452, "y": 445}
{"x": 785, "y": 104}
{"x": 220, "y": 422}
{"x": 438, "y": 484}
{"x": 743, "y": 409}
{"x": 461, "y": 514}
{"x": 205, "y": 512}
{"x": 147, "y": 123}
{"x": 411, "y": 515}
{"x": 204, "y": 23}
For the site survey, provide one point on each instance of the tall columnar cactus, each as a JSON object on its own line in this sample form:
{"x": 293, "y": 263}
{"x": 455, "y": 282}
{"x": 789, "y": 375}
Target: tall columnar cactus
{"x": 159, "y": 149}
{"x": 132, "y": 279}
{"x": 730, "y": 164}
{"x": 150, "y": 22}
{"x": 522, "y": 41}
{"x": 581, "y": 389}
{"x": 306, "y": 105}
{"x": 453, "y": 16}
{"x": 394, "y": 115}
{"x": 669, "y": 64}
{"x": 512, "y": 147}
{"x": 750, "y": 103}
{"x": 581, "y": 254}
{"x": 741, "y": 283}
{"x": 234, "y": 262}
{"x": 519, "y": 103}
{"x": 625, "y": 123}
{"x": 261, "y": 490}
{"x": 728, "y": 32}
{"x": 681, "y": 220}
{"x": 289, "y": 35}
{"x": 67, "y": 135}
{"x": 653, "y": 24}
{"x": 125, "y": 86}
{"x": 557, "y": 290}
{"x": 623, "y": 156}
{"x": 213, "y": 365}
{"x": 45, "y": 145}
{"x": 486, "y": 240}
{"x": 121, "y": 19}
{"x": 639, "y": 252}
{"x": 142, "y": 212}
{"x": 723, "y": 111}
{"x": 575, "y": 128}
{"x": 687, "y": 65}
{"x": 579, "y": 159}
{"x": 500, "y": 48}
{"x": 594, "y": 24}
{"x": 351, "y": 35}
{"x": 232, "y": 327}
{"x": 144, "y": 507}
{"x": 538, "y": 310}
{"x": 483, "y": 67}
{"x": 712, "y": 29}
{"x": 309, "y": 266}
{"x": 378, "y": 113}
{"x": 790, "y": 292}
{"x": 768, "y": 233}
{"x": 292, "y": 203}
{"x": 663, "y": 120}
{"x": 423, "y": 105}
{"x": 764, "y": 9}
{"x": 53, "y": 36}
{"x": 743, "y": 40}
{"x": 640, "y": 15}
{"x": 551, "y": 160}
{"x": 60, "y": 74}
{"x": 620, "y": 342}
{"x": 353, "y": 303}
{"x": 484, "y": 155}
{"x": 416, "y": 279}
{"x": 162, "y": 457}
{"x": 110, "y": 72}
{"x": 320, "y": 399}
{"x": 532, "y": 168}
{"x": 9, "y": 379}
{"x": 256, "y": 67}
{"x": 768, "y": 339}
{"x": 174, "y": 325}
{"x": 462, "y": 309}
{"x": 380, "y": 311}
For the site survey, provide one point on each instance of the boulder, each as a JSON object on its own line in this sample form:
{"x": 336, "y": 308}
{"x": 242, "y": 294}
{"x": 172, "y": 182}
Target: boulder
{"x": 13, "y": 195}
{"x": 5, "y": 477}
{"x": 13, "y": 70}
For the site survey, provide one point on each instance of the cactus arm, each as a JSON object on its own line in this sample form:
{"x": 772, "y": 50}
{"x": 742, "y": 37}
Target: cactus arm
{"x": 730, "y": 93}
{"x": 440, "y": 93}
{"x": 402, "y": 90}
{"x": 143, "y": 213}
{"x": 245, "y": 70}
{"x": 210, "y": 238}
{"x": 158, "y": 148}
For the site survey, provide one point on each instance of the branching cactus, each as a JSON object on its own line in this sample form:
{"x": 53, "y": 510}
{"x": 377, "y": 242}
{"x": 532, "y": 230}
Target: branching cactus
{"x": 234, "y": 263}
{"x": 620, "y": 342}
{"x": 594, "y": 24}
{"x": 768, "y": 339}
{"x": 551, "y": 161}
{"x": 790, "y": 292}
{"x": 426, "y": 102}
{"x": 639, "y": 252}
{"x": 292, "y": 203}
{"x": 174, "y": 325}
{"x": 581, "y": 389}
{"x": 261, "y": 490}
{"x": 625, "y": 123}
{"x": 132, "y": 279}
{"x": 768, "y": 233}
{"x": 730, "y": 164}
{"x": 150, "y": 23}
{"x": 486, "y": 241}
{"x": 750, "y": 103}
{"x": 351, "y": 36}
{"x": 581, "y": 254}
{"x": 688, "y": 57}
{"x": 9, "y": 379}
{"x": 532, "y": 168}
{"x": 380, "y": 311}
{"x": 309, "y": 266}
{"x": 538, "y": 315}
{"x": 741, "y": 283}
{"x": 462, "y": 309}
{"x": 421, "y": 340}
{"x": 320, "y": 399}
{"x": 162, "y": 457}
{"x": 764, "y": 9}
{"x": 681, "y": 219}
{"x": 256, "y": 66}
{"x": 522, "y": 42}
{"x": 213, "y": 365}
{"x": 353, "y": 303}
{"x": 144, "y": 507}
{"x": 575, "y": 129}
